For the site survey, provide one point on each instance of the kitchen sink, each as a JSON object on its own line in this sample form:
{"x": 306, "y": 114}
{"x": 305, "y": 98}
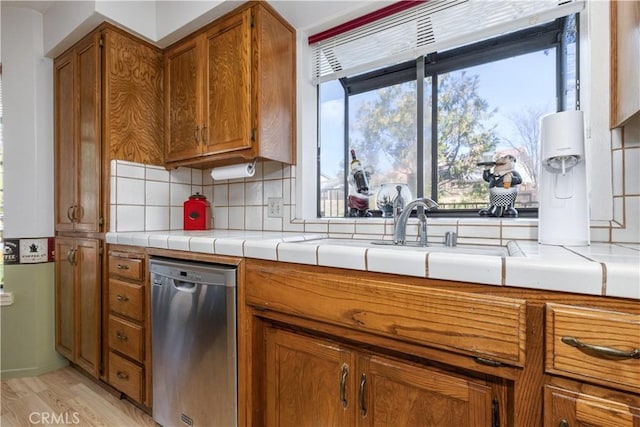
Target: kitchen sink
{"x": 508, "y": 250}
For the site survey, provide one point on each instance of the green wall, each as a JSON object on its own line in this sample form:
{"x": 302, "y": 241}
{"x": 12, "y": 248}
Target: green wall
{"x": 27, "y": 327}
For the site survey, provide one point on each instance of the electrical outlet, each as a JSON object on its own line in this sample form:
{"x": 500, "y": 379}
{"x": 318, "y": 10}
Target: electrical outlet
{"x": 275, "y": 207}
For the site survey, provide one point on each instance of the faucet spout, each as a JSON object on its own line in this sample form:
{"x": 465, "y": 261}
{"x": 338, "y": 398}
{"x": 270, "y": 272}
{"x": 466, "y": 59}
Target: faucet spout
{"x": 400, "y": 231}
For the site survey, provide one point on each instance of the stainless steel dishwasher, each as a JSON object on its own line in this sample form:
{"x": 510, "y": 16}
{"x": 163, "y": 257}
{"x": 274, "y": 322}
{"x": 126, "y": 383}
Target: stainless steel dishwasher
{"x": 193, "y": 343}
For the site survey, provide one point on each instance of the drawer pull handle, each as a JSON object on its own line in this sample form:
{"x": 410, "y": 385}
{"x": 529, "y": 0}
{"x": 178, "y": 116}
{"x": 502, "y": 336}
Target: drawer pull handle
{"x": 563, "y": 423}
{"x": 363, "y": 406}
{"x": 122, "y": 375}
{"x": 343, "y": 385}
{"x": 121, "y": 336}
{"x": 122, "y": 298}
{"x": 123, "y": 267}
{"x": 601, "y": 351}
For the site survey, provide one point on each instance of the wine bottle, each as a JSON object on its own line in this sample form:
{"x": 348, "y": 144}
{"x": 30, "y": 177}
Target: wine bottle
{"x": 359, "y": 175}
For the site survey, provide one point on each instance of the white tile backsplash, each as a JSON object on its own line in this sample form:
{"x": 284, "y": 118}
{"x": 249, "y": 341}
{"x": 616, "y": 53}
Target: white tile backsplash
{"x": 243, "y": 203}
{"x": 130, "y": 191}
{"x": 157, "y": 193}
{"x": 130, "y": 218}
{"x": 156, "y": 218}
{"x": 178, "y": 193}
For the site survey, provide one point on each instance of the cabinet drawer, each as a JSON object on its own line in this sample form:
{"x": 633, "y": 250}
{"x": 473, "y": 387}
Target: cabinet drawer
{"x": 128, "y": 268}
{"x": 594, "y": 345}
{"x": 126, "y": 299}
{"x": 126, "y": 376}
{"x": 126, "y": 337}
{"x": 582, "y": 409}
{"x": 480, "y": 325}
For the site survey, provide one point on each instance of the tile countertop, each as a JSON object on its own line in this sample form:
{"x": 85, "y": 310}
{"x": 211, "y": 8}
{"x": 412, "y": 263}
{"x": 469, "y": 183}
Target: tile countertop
{"x": 600, "y": 269}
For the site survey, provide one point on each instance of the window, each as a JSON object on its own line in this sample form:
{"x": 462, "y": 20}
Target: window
{"x": 427, "y": 123}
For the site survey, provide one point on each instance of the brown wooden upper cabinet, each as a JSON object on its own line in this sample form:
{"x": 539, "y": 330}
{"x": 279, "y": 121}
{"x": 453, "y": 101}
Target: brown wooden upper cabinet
{"x": 77, "y": 136}
{"x": 230, "y": 91}
{"x": 625, "y": 61}
{"x": 108, "y": 103}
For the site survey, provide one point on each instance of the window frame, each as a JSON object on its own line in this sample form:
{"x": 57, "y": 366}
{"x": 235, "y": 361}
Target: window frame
{"x": 528, "y": 40}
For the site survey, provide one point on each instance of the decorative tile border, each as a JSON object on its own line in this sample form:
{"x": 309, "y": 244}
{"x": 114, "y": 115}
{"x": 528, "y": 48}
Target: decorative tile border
{"x": 29, "y": 250}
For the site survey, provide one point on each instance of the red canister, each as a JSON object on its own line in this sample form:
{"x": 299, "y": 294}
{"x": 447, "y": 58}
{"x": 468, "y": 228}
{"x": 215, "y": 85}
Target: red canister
{"x": 197, "y": 213}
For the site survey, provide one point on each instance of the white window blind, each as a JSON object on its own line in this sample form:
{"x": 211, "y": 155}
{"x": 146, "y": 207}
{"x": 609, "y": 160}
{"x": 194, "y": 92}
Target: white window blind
{"x": 435, "y": 25}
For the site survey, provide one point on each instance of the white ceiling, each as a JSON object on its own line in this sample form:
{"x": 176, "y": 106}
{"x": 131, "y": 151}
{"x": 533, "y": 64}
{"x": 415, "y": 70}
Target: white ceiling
{"x": 309, "y": 15}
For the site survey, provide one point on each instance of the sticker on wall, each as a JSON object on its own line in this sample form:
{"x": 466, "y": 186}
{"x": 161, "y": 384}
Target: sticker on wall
{"x": 29, "y": 251}
{"x": 12, "y": 251}
{"x": 33, "y": 251}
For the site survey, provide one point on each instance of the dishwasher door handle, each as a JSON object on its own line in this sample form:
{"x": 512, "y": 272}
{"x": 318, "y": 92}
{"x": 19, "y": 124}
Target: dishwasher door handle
{"x": 182, "y": 286}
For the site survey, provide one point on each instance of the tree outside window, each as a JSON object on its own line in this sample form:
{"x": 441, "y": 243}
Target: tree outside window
{"x": 491, "y": 106}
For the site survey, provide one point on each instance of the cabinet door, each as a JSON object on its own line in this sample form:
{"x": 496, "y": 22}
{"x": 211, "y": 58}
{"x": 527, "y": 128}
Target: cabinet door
{"x": 625, "y": 61}
{"x": 229, "y": 85}
{"x": 183, "y": 88}
{"x": 394, "y": 393}
{"x": 308, "y": 382}
{"x": 64, "y": 112}
{"x": 88, "y": 170}
{"x": 65, "y": 296}
{"x": 87, "y": 304}
{"x": 571, "y": 409}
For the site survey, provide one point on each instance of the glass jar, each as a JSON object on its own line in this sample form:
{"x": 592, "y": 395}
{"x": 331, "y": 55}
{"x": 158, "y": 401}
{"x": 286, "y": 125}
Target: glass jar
{"x": 387, "y": 194}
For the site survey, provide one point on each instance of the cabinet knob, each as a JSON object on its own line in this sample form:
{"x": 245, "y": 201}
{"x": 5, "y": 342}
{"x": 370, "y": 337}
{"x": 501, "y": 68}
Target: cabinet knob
{"x": 121, "y": 336}
{"x": 122, "y": 375}
{"x": 122, "y": 298}
{"x": 563, "y": 423}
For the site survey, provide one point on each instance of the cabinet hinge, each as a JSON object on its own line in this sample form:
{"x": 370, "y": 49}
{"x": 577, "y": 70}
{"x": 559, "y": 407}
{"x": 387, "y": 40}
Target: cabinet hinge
{"x": 101, "y": 221}
{"x": 495, "y": 413}
{"x": 253, "y": 134}
{"x": 101, "y": 42}
{"x": 252, "y": 22}
{"x": 101, "y": 251}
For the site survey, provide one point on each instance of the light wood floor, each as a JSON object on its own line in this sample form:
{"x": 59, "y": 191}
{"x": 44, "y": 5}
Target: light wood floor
{"x": 65, "y": 397}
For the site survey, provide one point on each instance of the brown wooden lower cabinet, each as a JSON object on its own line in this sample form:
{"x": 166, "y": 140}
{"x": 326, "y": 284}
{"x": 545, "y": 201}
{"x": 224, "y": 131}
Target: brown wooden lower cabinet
{"x": 311, "y": 381}
{"x": 77, "y": 306}
{"x": 567, "y": 408}
{"x": 128, "y": 342}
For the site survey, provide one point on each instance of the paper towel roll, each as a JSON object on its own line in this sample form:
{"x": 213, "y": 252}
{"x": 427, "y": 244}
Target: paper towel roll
{"x": 243, "y": 170}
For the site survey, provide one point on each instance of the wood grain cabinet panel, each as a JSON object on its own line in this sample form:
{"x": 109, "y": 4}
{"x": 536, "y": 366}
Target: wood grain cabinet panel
{"x": 183, "y": 88}
{"x": 127, "y": 322}
{"x": 133, "y": 99}
{"x": 594, "y": 345}
{"x": 126, "y": 376}
{"x": 625, "y": 61}
{"x": 566, "y": 408}
{"x": 311, "y": 381}
{"x": 126, "y": 338}
{"x": 126, "y": 299}
{"x": 77, "y": 130}
{"x": 487, "y": 326}
{"x": 230, "y": 91}
{"x": 127, "y": 268}
{"x": 398, "y": 393}
{"x": 77, "y": 305}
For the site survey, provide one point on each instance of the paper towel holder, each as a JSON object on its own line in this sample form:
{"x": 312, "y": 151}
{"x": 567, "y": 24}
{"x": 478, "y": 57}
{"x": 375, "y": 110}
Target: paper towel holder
{"x": 234, "y": 171}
